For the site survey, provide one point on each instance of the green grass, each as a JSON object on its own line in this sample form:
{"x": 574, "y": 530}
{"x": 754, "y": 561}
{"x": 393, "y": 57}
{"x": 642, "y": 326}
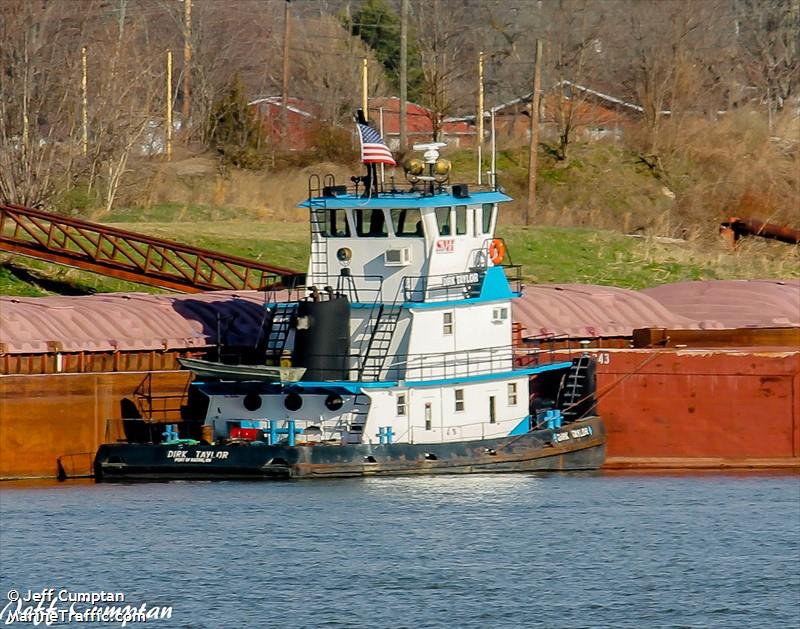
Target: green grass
{"x": 584, "y": 256}
{"x": 174, "y": 213}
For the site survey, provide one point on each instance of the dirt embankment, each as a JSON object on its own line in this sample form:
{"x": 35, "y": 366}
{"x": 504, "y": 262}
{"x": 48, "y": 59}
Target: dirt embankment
{"x": 198, "y": 180}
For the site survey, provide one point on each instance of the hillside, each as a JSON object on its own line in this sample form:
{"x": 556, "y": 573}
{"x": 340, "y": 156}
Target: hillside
{"x": 603, "y": 217}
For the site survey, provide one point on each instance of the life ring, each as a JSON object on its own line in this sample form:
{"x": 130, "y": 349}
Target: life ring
{"x": 497, "y": 251}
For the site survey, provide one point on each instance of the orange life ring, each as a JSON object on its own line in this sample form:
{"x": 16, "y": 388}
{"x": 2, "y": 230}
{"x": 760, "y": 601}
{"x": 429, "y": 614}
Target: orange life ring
{"x": 497, "y": 250}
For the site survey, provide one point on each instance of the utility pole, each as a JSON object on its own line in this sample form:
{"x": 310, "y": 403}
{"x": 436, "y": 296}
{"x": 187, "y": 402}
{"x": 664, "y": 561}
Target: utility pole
{"x": 168, "y": 134}
{"x": 364, "y": 89}
{"x": 537, "y": 88}
{"x": 479, "y": 118}
{"x": 84, "y": 103}
{"x": 287, "y": 34}
{"x": 187, "y": 65}
{"x": 403, "y": 74}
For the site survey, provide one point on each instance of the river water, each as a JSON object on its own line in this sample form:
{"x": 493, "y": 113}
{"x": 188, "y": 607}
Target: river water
{"x": 464, "y": 551}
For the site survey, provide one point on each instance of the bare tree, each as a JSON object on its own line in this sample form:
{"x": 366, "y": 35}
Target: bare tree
{"x": 768, "y": 37}
{"x": 574, "y": 37}
{"x": 447, "y": 58}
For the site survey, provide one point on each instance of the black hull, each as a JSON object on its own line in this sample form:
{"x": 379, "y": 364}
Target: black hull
{"x": 541, "y": 450}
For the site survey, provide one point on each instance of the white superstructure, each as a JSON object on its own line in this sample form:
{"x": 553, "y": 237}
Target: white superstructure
{"x": 429, "y": 356}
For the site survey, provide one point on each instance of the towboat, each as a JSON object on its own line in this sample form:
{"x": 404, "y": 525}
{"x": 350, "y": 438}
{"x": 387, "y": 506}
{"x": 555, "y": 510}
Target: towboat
{"x": 396, "y": 358}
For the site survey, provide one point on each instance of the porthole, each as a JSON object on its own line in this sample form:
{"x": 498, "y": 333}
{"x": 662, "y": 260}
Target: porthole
{"x": 252, "y": 401}
{"x": 334, "y": 402}
{"x": 293, "y": 402}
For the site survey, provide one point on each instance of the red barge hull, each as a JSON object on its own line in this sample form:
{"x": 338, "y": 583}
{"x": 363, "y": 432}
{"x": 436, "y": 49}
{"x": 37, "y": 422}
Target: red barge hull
{"x": 700, "y": 408}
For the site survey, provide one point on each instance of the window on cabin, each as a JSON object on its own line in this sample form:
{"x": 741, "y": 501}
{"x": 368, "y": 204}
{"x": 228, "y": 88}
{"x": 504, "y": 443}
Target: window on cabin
{"x": 459, "y": 400}
{"x": 512, "y": 393}
{"x": 492, "y": 411}
{"x": 443, "y": 221}
{"x": 401, "y": 404}
{"x": 428, "y": 416}
{"x": 488, "y": 212}
{"x": 336, "y": 224}
{"x": 447, "y": 323}
{"x": 370, "y": 223}
{"x": 461, "y": 220}
{"x": 499, "y": 314}
{"x": 407, "y": 223}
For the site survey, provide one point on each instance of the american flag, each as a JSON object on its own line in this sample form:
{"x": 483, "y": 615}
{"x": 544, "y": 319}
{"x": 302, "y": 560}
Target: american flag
{"x": 373, "y": 148}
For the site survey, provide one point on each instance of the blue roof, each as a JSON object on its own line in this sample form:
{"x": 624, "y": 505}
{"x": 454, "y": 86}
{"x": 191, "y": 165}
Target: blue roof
{"x": 406, "y": 200}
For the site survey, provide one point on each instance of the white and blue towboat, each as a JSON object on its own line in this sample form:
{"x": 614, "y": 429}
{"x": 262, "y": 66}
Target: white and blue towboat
{"x": 399, "y": 356}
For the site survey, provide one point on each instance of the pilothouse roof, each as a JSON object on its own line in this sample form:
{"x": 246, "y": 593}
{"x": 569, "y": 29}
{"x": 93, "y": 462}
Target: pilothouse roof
{"x": 418, "y": 199}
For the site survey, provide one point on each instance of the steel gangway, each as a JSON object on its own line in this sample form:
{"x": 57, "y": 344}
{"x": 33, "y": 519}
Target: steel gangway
{"x": 130, "y": 256}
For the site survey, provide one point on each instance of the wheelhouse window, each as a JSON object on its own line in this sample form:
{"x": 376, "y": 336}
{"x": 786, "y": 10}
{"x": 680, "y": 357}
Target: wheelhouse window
{"x": 447, "y": 323}
{"x": 488, "y": 217}
{"x": 370, "y": 223}
{"x": 461, "y": 220}
{"x": 459, "y": 400}
{"x": 401, "y": 405}
{"x": 512, "y": 393}
{"x": 336, "y": 225}
{"x": 407, "y": 223}
{"x": 443, "y": 221}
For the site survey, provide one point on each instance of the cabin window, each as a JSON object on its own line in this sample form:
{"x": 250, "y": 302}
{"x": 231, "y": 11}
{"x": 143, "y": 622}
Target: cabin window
{"x": 488, "y": 215}
{"x": 428, "y": 416}
{"x": 401, "y": 404}
{"x": 492, "y": 413}
{"x": 407, "y": 223}
{"x": 461, "y": 220}
{"x": 443, "y": 221}
{"x": 447, "y": 323}
{"x": 499, "y": 315}
{"x": 336, "y": 225}
{"x": 370, "y": 223}
{"x": 459, "y": 399}
{"x": 512, "y": 393}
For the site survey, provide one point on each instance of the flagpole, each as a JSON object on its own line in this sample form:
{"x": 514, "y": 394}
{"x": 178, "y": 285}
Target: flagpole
{"x": 380, "y": 122}
{"x": 494, "y": 151}
{"x": 364, "y": 90}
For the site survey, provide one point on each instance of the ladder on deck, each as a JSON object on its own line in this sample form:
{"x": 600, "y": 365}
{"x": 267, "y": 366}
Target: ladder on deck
{"x": 318, "y": 263}
{"x": 575, "y": 387}
{"x": 279, "y": 329}
{"x": 380, "y": 341}
{"x": 319, "y": 244}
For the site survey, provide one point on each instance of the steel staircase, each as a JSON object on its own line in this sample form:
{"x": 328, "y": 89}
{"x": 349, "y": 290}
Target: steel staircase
{"x": 279, "y": 329}
{"x": 575, "y": 388}
{"x": 379, "y": 341}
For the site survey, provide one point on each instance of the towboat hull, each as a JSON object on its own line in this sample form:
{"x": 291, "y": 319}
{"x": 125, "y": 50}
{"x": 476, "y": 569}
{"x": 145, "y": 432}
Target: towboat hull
{"x": 576, "y": 446}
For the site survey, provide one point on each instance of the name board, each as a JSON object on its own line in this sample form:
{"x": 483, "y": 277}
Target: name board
{"x": 460, "y": 278}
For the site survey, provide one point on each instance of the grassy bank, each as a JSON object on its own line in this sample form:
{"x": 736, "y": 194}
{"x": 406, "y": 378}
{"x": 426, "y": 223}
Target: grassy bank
{"x": 548, "y": 254}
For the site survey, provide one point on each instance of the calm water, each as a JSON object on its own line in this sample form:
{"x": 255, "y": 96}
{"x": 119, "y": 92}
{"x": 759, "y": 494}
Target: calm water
{"x": 475, "y": 551}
